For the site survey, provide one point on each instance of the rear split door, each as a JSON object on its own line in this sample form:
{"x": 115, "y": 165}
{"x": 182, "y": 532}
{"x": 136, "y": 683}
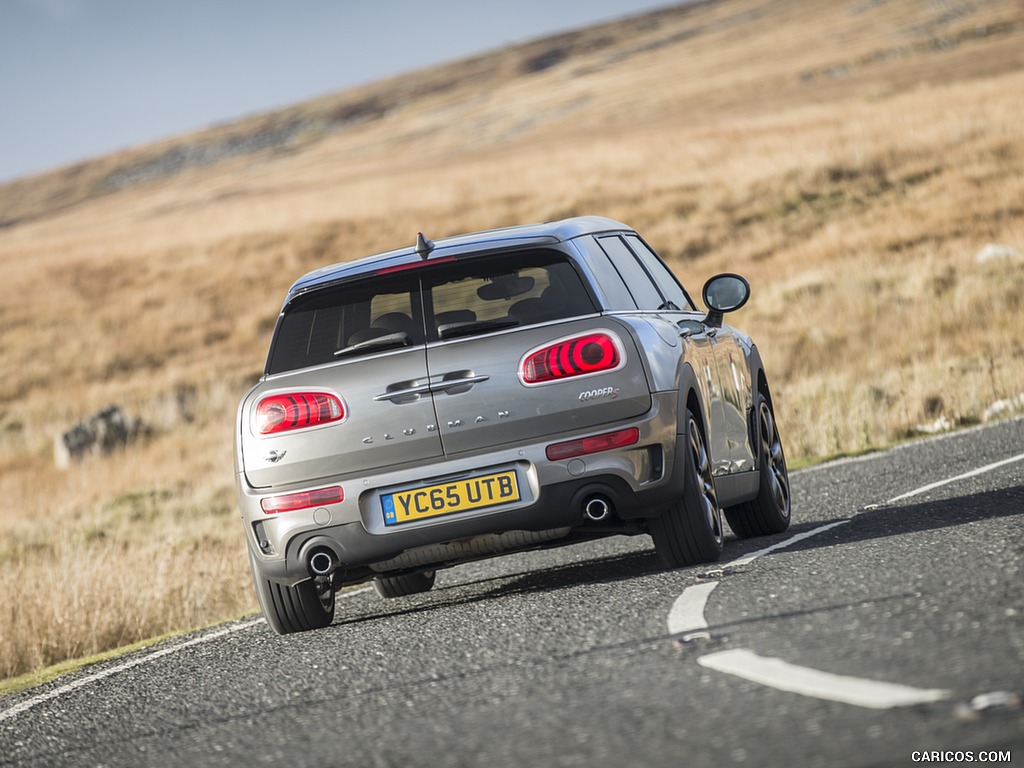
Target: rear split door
{"x": 348, "y": 389}
{"x": 517, "y": 351}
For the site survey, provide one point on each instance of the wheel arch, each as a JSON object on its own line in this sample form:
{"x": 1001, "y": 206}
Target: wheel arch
{"x": 759, "y": 381}
{"x": 758, "y": 375}
{"x": 690, "y": 398}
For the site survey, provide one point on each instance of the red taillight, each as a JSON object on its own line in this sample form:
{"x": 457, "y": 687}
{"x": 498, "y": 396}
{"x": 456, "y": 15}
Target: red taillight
{"x": 577, "y": 356}
{"x": 297, "y": 410}
{"x": 595, "y": 444}
{"x": 290, "y": 502}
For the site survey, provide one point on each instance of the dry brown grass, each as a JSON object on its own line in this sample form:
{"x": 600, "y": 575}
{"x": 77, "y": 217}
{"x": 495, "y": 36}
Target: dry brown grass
{"x": 841, "y": 155}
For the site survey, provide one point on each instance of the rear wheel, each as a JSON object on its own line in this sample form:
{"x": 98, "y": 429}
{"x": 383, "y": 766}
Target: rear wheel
{"x": 769, "y": 512}
{"x": 307, "y": 605}
{"x": 408, "y": 584}
{"x": 691, "y": 531}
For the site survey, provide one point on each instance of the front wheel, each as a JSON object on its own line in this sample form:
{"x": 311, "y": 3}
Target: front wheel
{"x": 769, "y": 512}
{"x": 307, "y": 605}
{"x": 690, "y": 532}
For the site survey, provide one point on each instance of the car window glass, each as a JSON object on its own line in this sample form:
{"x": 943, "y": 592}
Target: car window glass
{"x": 316, "y": 327}
{"x": 644, "y": 292}
{"x": 479, "y": 295}
{"x": 614, "y": 292}
{"x": 471, "y": 296}
{"x": 670, "y": 287}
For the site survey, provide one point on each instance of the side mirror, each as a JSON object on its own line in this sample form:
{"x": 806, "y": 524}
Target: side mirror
{"x": 724, "y": 293}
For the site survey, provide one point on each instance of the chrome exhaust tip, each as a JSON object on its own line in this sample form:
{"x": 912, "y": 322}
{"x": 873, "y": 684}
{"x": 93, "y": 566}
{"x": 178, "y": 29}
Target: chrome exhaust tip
{"x": 322, "y": 562}
{"x": 596, "y": 509}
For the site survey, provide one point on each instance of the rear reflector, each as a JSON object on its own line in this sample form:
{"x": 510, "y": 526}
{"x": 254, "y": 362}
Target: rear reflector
{"x": 305, "y": 500}
{"x": 595, "y": 444}
{"x": 297, "y": 410}
{"x": 576, "y": 356}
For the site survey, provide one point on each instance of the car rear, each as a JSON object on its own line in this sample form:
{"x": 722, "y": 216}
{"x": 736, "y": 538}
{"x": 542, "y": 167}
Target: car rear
{"x": 422, "y": 411}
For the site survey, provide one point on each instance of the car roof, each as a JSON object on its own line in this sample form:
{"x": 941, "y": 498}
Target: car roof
{"x": 524, "y": 235}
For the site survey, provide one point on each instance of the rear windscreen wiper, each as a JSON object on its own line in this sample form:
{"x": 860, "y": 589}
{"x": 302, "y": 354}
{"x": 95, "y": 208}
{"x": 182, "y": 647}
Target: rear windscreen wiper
{"x": 400, "y": 339}
{"x": 453, "y": 330}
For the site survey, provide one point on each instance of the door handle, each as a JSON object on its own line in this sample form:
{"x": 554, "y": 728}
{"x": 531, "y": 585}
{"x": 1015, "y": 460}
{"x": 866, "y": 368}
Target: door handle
{"x": 462, "y": 384}
{"x": 405, "y": 392}
{"x": 458, "y": 384}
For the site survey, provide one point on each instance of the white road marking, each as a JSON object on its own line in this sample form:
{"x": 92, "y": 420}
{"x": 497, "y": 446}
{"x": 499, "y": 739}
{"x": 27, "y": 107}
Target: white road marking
{"x": 687, "y": 612}
{"x": 748, "y": 559}
{"x": 964, "y": 476}
{"x": 784, "y": 676}
{"x": 17, "y": 709}
{"x": 26, "y": 705}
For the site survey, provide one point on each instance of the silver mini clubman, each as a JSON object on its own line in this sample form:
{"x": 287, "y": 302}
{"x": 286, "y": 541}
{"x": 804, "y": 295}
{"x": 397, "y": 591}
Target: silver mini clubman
{"x": 506, "y": 390}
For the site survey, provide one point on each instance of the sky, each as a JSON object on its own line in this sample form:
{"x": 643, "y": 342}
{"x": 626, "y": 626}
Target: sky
{"x": 81, "y": 78}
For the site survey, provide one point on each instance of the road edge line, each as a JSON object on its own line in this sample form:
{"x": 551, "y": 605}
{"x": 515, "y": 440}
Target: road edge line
{"x": 24, "y": 706}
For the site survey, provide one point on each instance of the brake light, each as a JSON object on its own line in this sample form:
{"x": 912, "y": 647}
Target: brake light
{"x": 297, "y": 410}
{"x": 414, "y": 265}
{"x": 595, "y": 444}
{"x": 290, "y": 502}
{"x": 576, "y": 356}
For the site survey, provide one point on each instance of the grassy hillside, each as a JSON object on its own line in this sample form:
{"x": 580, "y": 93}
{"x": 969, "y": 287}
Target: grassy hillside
{"x": 853, "y": 159}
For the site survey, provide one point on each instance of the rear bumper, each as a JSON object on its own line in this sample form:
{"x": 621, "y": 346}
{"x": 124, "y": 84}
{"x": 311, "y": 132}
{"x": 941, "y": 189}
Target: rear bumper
{"x": 637, "y": 480}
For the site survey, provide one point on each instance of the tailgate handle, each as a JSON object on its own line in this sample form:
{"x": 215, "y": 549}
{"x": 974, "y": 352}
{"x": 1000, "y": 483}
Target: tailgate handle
{"x": 450, "y": 386}
{"x": 405, "y": 393}
{"x": 457, "y": 385}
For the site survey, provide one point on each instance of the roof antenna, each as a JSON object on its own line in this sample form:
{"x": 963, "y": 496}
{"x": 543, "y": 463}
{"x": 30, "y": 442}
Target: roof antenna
{"x": 423, "y": 246}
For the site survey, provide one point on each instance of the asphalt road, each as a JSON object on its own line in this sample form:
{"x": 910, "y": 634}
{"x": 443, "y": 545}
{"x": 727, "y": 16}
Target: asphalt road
{"x": 860, "y": 644}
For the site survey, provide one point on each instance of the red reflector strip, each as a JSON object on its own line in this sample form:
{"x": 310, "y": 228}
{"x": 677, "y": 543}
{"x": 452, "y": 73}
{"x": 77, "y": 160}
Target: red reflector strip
{"x": 304, "y": 500}
{"x": 595, "y": 444}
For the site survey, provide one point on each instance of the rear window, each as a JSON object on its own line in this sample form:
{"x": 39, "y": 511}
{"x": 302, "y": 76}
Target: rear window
{"x": 348, "y": 320}
{"x": 489, "y": 293}
{"x": 468, "y": 297}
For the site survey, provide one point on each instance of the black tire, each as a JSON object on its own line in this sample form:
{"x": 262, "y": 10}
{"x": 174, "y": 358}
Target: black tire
{"x": 400, "y": 586}
{"x": 690, "y": 532}
{"x": 769, "y": 512}
{"x": 293, "y": 609}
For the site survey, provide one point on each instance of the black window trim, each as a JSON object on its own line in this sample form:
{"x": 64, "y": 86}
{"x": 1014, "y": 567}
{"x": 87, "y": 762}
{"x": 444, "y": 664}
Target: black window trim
{"x": 620, "y": 236}
{"x": 625, "y": 239}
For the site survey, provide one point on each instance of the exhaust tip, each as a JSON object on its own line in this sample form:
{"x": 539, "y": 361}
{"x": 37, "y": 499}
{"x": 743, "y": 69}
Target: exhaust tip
{"x": 322, "y": 562}
{"x": 596, "y": 508}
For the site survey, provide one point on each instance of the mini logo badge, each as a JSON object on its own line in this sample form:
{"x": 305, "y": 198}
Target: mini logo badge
{"x": 275, "y": 456}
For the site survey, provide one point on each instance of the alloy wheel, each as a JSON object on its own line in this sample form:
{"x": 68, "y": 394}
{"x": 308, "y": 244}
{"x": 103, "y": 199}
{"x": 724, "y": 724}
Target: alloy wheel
{"x": 771, "y": 446}
{"x": 705, "y": 481}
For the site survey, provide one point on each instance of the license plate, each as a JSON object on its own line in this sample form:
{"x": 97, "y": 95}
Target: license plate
{"x": 447, "y": 498}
